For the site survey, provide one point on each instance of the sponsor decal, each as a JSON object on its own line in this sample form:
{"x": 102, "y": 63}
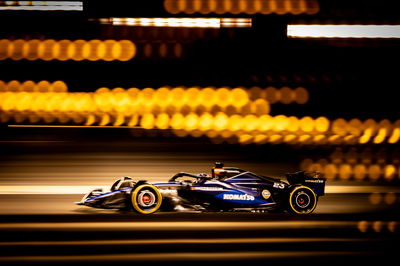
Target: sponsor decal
{"x": 279, "y": 185}
{"x": 266, "y": 194}
{"x": 167, "y": 191}
{"x": 238, "y": 197}
{"x": 314, "y": 181}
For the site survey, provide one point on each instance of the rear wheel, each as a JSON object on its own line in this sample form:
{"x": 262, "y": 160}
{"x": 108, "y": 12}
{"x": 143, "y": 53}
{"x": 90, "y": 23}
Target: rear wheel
{"x": 302, "y": 200}
{"x": 146, "y": 199}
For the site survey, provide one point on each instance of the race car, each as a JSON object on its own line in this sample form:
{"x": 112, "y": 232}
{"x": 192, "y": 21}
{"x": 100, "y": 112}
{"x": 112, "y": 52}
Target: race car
{"x": 226, "y": 189}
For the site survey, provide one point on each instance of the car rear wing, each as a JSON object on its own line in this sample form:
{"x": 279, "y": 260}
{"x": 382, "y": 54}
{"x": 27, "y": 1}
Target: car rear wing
{"x": 313, "y": 180}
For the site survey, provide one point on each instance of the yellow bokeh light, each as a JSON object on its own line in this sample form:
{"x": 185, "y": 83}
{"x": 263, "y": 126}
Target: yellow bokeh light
{"x": 147, "y": 121}
{"x": 4, "y": 46}
{"x": 221, "y": 121}
{"x": 355, "y": 127}
{"x": 261, "y": 107}
{"x": 75, "y": 50}
{"x": 191, "y": 121}
{"x": 250, "y": 123}
{"x": 146, "y": 96}
{"x": 260, "y": 139}
{"x": 239, "y": 97}
{"x": 45, "y": 49}
{"x": 339, "y": 127}
{"x": 290, "y": 138}
{"x": 66, "y": 49}
{"x": 371, "y": 125}
{"x": 273, "y": 95}
{"x": 13, "y": 85}
{"x": 366, "y": 136}
{"x": 31, "y": 50}
{"x": 2, "y": 86}
{"x": 60, "y": 50}
{"x": 222, "y": 97}
{"x": 266, "y": 122}
{"x": 322, "y": 124}
{"x": 59, "y": 86}
{"x": 330, "y": 170}
{"x": 28, "y": 86}
{"x": 133, "y": 120}
{"x": 301, "y": 95}
{"x": 275, "y": 138}
{"x": 360, "y": 171}
{"x": 177, "y": 121}
{"x": 315, "y": 167}
{"x": 177, "y": 96}
{"x": 304, "y": 138}
{"x": 345, "y": 171}
{"x": 389, "y": 172}
{"x": 380, "y": 137}
{"x": 15, "y": 51}
{"x": 374, "y": 172}
{"x": 162, "y": 121}
{"x": 307, "y": 124}
{"x": 104, "y": 120}
{"x": 90, "y": 120}
{"x": 280, "y": 123}
{"x": 235, "y": 7}
{"x": 162, "y": 96}
{"x": 236, "y": 123}
{"x": 207, "y": 97}
{"x": 245, "y": 139}
{"x": 119, "y": 119}
{"x": 287, "y": 95}
{"x": 206, "y": 121}
{"x": 43, "y": 86}
{"x": 183, "y": 109}
{"x": 394, "y": 138}
{"x": 320, "y": 139}
{"x": 191, "y": 96}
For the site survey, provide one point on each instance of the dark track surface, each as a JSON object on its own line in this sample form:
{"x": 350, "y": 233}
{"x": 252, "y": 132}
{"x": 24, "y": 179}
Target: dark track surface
{"x": 183, "y": 237}
{"x": 355, "y": 223}
{"x": 88, "y": 235}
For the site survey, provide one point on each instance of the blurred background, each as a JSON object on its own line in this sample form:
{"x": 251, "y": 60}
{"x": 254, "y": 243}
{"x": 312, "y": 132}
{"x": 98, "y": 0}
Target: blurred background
{"x": 91, "y": 91}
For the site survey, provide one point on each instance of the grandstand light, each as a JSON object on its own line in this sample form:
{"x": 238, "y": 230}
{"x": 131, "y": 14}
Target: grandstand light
{"x": 343, "y": 31}
{"x": 178, "y": 22}
{"x": 42, "y": 5}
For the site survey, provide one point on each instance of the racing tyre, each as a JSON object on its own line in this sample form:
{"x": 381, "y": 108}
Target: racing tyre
{"x": 302, "y": 200}
{"x": 146, "y": 199}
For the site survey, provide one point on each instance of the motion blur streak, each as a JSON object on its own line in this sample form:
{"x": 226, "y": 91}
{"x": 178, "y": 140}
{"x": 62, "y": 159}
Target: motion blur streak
{"x": 280, "y": 7}
{"x": 31, "y": 86}
{"x": 182, "y": 241}
{"x": 198, "y": 256}
{"x": 179, "y": 22}
{"x": 181, "y": 225}
{"x": 24, "y": 189}
{"x": 42, "y": 5}
{"x": 343, "y": 31}
{"x": 92, "y": 50}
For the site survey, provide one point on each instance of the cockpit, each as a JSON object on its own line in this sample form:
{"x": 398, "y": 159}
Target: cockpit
{"x": 222, "y": 173}
{"x": 123, "y": 182}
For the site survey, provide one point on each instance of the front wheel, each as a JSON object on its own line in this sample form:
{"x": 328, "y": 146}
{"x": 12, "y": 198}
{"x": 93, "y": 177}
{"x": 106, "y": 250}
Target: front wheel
{"x": 302, "y": 200}
{"x": 146, "y": 199}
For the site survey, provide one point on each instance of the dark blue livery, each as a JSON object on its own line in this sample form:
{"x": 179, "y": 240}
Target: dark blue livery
{"x": 227, "y": 189}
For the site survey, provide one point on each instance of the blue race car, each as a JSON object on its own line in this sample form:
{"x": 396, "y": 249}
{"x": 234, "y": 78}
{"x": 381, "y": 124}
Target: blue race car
{"x": 227, "y": 189}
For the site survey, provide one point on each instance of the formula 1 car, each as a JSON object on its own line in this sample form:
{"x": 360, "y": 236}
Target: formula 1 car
{"x": 227, "y": 189}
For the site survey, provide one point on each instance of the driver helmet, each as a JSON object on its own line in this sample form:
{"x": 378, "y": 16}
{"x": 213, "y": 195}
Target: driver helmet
{"x": 202, "y": 175}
